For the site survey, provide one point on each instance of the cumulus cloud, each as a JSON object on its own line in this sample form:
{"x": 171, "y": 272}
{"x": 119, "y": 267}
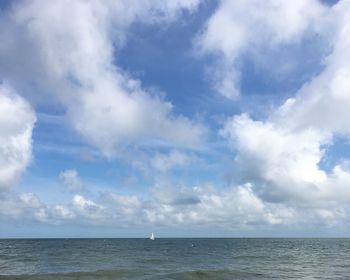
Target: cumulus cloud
{"x": 233, "y": 208}
{"x": 281, "y": 156}
{"x": 20, "y": 206}
{"x": 30, "y": 200}
{"x": 251, "y": 28}
{"x": 16, "y": 126}
{"x": 87, "y": 208}
{"x": 71, "y": 62}
{"x": 54, "y": 214}
{"x": 80, "y": 210}
{"x": 276, "y": 156}
{"x": 71, "y": 180}
{"x": 323, "y": 102}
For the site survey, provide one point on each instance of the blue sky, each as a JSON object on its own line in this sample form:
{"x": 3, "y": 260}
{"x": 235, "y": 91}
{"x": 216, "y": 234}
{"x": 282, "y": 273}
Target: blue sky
{"x": 182, "y": 117}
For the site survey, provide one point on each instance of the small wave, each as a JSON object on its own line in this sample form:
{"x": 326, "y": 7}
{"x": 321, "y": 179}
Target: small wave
{"x": 152, "y": 261}
{"x": 249, "y": 257}
{"x": 99, "y": 274}
{"x": 213, "y": 274}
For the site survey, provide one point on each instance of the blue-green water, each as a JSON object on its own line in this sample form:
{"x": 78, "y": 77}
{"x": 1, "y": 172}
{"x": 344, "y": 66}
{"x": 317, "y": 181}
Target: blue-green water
{"x": 236, "y": 258}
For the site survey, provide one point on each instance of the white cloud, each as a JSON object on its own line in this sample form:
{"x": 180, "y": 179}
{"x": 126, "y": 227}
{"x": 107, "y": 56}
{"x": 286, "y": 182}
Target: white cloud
{"x": 72, "y": 62}
{"x": 324, "y": 102}
{"x": 71, "y": 180}
{"x": 55, "y": 214}
{"x": 16, "y": 125}
{"x": 287, "y": 160}
{"x": 233, "y": 208}
{"x": 124, "y": 210}
{"x": 87, "y": 208}
{"x": 282, "y": 154}
{"x": 20, "y": 206}
{"x": 30, "y": 200}
{"x": 251, "y": 28}
{"x": 175, "y": 158}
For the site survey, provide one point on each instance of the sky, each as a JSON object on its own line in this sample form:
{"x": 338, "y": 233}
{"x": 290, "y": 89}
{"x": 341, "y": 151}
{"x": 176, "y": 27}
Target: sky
{"x": 186, "y": 118}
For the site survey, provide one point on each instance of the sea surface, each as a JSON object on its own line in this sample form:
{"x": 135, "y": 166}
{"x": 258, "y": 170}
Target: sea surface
{"x": 235, "y": 258}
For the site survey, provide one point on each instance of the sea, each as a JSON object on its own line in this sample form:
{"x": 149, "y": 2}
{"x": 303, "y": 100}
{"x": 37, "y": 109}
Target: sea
{"x": 175, "y": 258}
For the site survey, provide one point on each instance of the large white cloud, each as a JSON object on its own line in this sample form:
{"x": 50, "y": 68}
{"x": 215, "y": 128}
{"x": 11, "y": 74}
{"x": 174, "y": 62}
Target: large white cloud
{"x": 275, "y": 155}
{"x": 252, "y": 28}
{"x": 65, "y": 53}
{"x": 282, "y": 155}
{"x": 16, "y": 124}
{"x": 324, "y": 102}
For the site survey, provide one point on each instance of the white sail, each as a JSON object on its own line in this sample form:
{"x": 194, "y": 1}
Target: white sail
{"x": 152, "y": 236}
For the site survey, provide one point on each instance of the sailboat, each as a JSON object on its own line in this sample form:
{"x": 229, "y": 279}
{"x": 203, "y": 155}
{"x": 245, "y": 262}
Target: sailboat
{"x": 152, "y": 236}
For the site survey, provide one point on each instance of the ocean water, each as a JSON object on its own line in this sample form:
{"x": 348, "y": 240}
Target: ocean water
{"x": 235, "y": 258}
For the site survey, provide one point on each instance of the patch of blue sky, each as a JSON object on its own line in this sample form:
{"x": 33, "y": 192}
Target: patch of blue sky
{"x": 337, "y": 153}
{"x": 163, "y": 56}
{"x": 5, "y": 4}
{"x": 330, "y": 2}
{"x": 282, "y": 71}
